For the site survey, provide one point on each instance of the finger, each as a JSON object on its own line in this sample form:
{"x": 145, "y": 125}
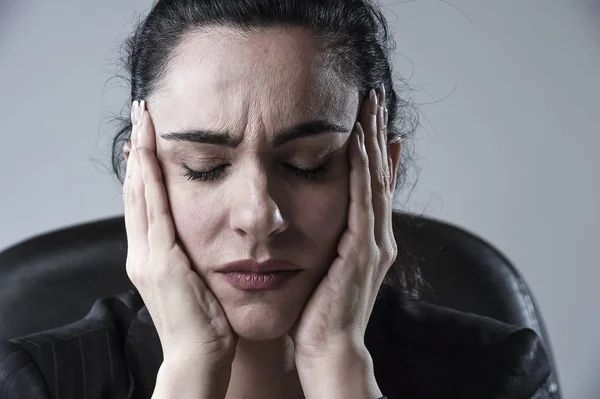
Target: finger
{"x": 133, "y": 191}
{"x": 386, "y": 116}
{"x": 376, "y": 171}
{"x": 386, "y": 240}
{"x": 369, "y": 123}
{"x": 161, "y": 230}
{"x": 360, "y": 212}
{"x": 135, "y": 208}
{"x": 134, "y": 121}
{"x": 127, "y": 147}
{"x": 385, "y": 122}
{"x": 148, "y": 138}
{"x": 382, "y": 143}
{"x": 382, "y": 132}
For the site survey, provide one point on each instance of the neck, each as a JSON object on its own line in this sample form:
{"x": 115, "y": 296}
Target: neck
{"x": 264, "y": 369}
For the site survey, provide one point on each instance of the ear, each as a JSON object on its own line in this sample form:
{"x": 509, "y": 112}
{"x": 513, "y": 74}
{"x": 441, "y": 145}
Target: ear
{"x": 394, "y": 151}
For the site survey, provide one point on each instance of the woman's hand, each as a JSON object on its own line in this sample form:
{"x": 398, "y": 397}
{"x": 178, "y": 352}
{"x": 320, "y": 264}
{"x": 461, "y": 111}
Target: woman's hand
{"x": 190, "y": 322}
{"x": 329, "y": 336}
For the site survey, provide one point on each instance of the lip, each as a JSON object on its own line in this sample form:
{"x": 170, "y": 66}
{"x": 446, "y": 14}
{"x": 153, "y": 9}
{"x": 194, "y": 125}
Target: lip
{"x": 250, "y": 281}
{"x": 252, "y": 266}
{"x": 250, "y": 275}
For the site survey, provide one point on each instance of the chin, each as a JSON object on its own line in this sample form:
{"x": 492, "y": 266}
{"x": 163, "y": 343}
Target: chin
{"x": 262, "y": 321}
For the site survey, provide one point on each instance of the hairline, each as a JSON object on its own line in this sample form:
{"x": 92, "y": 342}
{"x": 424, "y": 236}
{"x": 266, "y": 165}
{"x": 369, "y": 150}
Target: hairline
{"x": 325, "y": 57}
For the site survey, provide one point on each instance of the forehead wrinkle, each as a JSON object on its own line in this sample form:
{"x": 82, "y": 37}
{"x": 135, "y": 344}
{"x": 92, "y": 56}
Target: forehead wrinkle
{"x": 291, "y": 42}
{"x": 286, "y": 90}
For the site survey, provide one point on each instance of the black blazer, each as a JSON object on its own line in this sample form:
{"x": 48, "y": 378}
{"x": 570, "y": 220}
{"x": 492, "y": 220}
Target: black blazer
{"x": 419, "y": 351}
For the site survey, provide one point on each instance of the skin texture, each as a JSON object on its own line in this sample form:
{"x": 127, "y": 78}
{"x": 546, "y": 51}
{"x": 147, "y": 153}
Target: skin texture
{"x": 259, "y": 209}
{"x": 252, "y": 87}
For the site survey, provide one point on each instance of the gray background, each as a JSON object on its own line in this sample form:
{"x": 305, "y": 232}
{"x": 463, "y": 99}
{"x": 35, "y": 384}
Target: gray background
{"x": 508, "y": 148}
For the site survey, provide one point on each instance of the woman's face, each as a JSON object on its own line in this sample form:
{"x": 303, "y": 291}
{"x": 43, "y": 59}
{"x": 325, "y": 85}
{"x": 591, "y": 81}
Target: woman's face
{"x": 243, "y": 92}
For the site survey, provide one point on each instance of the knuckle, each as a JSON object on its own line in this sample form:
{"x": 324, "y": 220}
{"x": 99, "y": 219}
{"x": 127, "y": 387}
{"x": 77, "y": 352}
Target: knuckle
{"x": 128, "y": 176}
{"x": 381, "y": 178}
{"x": 370, "y": 212}
{"x": 394, "y": 250}
{"x": 132, "y": 197}
{"x": 368, "y": 200}
{"x": 129, "y": 195}
{"x": 132, "y": 272}
{"x": 137, "y": 270}
{"x": 381, "y": 197}
{"x": 145, "y": 177}
{"x": 155, "y": 212}
{"x": 364, "y": 158}
{"x": 151, "y": 214}
{"x": 390, "y": 252}
{"x": 129, "y": 191}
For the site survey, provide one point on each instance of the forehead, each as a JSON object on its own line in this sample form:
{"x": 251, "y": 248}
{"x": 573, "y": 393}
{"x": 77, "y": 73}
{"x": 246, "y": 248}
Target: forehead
{"x": 222, "y": 77}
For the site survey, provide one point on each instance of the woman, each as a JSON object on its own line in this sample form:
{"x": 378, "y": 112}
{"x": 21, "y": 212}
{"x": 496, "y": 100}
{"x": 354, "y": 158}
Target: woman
{"x": 263, "y": 151}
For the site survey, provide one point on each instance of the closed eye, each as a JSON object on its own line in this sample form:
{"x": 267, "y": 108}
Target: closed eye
{"x": 308, "y": 174}
{"x": 208, "y": 175}
{"x": 216, "y": 173}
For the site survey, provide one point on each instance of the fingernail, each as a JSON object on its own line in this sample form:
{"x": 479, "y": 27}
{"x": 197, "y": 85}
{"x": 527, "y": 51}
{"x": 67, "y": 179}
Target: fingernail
{"x": 141, "y": 109}
{"x": 134, "y": 107}
{"x": 373, "y": 98}
{"x": 140, "y": 116}
{"x": 382, "y": 94}
{"x": 373, "y": 95}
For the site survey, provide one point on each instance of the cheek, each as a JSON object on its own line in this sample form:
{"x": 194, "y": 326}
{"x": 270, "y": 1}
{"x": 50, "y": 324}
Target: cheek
{"x": 316, "y": 210}
{"x": 321, "y": 212}
{"x": 192, "y": 210}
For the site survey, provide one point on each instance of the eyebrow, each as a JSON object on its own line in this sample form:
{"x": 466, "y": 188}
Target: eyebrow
{"x": 305, "y": 129}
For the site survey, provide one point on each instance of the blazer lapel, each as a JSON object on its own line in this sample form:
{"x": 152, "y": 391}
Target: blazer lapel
{"x": 143, "y": 353}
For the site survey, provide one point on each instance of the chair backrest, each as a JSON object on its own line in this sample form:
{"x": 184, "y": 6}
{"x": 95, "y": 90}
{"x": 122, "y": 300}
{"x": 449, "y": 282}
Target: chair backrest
{"x": 53, "y": 279}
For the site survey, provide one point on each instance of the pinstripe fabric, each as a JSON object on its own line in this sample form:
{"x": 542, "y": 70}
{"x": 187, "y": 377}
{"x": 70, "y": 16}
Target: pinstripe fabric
{"x": 20, "y": 378}
{"x": 418, "y": 350}
{"x": 83, "y": 360}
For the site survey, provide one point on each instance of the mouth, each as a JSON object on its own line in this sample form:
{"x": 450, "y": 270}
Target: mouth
{"x": 251, "y": 281}
{"x": 249, "y": 275}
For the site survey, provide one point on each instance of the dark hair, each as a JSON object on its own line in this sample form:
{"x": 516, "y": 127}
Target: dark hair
{"x": 354, "y": 39}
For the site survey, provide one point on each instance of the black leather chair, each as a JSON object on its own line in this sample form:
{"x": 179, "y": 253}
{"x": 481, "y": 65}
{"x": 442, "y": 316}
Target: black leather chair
{"x": 53, "y": 279}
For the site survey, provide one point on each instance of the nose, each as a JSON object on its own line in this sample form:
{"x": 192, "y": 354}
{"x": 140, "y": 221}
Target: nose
{"x": 255, "y": 213}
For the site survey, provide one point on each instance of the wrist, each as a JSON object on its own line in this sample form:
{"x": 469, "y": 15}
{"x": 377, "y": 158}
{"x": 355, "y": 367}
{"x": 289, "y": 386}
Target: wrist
{"x": 179, "y": 377}
{"x": 199, "y": 359}
{"x": 339, "y": 374}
